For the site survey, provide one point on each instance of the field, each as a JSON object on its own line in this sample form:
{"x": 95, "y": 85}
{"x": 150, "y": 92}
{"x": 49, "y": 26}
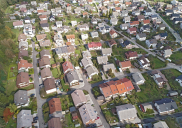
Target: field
{"x": 55, "y": 73}
{"x": 12, "y": 72}
{"x": 177, "y": 58}
{"x": 155, "y": 62}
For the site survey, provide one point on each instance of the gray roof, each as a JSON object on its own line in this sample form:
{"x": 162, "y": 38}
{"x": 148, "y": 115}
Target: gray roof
{"x": 137, "y": 77}
{"x": 125, "y": 25}
{"x": 106, "y": 50}
{"x": 86, "y": 54}
{"x": 86, "y": 62}
{"x": 179, "y": 77}
{"x": 71, "y": 75}
{"x": 91, "y": 69}
{"x": 168, "y": 52}
{"x": 23, "y": 44}
{"x": 144, "y": 60}
{"x": 109, "y": 66}
{"x": 102, "y": 59}
{"x": 44, "y": 52}
{"x": 20, "y": 97}
{"x": 141, "y": 35}
{"x": 166, "y": 104}
{"x": 61, "y": 50}
{"x": 94, "y": 33}
{"x": 126, "y": 111}
{"x": 44, "y": 25}
{"x": 160, "y": 124}
{"x": 24, "y": 119}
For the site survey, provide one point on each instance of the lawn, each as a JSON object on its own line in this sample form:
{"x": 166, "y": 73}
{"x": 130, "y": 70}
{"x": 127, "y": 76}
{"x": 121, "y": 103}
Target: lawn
{"x": 11, "y": 124}
{"x": 29, "y": 87}
{"x": 96, "y": 78}
{"x": 149, "y": 92}
{"x": 66, "y": 102}
{"x": 171, "y": 75}
{"x": 69, "y": 123}
{"x": 96, "y": 91}
{"x": 55, "y": 73}
{"x": 11, "y": 86}
{"x": 32, "y": 106}
{"x": 12, "y": 72}
{"x": 155, "y": 62}
{"x": 65, "y": 87}
{"x": 45, "y": 109}
{"x": 176, "y": 57}
{"x": 171, "y": 122}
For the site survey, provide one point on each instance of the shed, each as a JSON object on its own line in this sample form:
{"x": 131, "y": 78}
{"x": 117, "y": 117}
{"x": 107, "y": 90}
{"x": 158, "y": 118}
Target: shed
{"x": 173, "y": 93}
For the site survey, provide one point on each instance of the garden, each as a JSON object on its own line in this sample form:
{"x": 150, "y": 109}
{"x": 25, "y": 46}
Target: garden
{"x": 96, "y": 91}
{"x": 66, "y": 102}
{"x": 176, "y": 57}
{"x": 45, "y": 109}
{"x": 156, "y": 63}
{"x": 12, "y": 72}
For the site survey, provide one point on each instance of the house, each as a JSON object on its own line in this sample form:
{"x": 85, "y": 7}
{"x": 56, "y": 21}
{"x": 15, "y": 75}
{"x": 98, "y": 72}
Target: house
{"x": 49, "y": 85}
{"x": 124, "y": 26}
{"x": 27, "y": 20}
{"x": 140, "y": 18}
{"x": 88, "y": 115}
{"x": 44, "y": 62}
{"x": 174, "y": 16}
{"x": 34, "y": 3}
{"x": 106, "y": 90}
{"x": 117, "y": 9}
{"x": 134, "y": 23}
{"x": 23, "y": 65}
{"x": 136, "y": 12}
{"x": 22, "y": 37}
{"x": 41, "y": 37}
{"x": 72, "y": 78}
{"x": 112, "y": 42}
{"x": 160, "y": 124}
{"x": 22, "y": 79}
{"x": 54, "y": 123}
{"x": 138, "y": 78}
{"x": 22, "y": 53}
{"x": 126, "y": 19}
{"x": 52, "y": 18}
{"x": 102, "y": 59}
{"x": 165, "y": 106}
{"x": 45, "y": 53}
{"x": 148, "y": 12}
{"x": 45, "y": 27}
{"x": 23, "y": 45}
{"x": 131, "y": 55}
{"x": 126, "y": 112}
{"x": 83, "y": 27}
{"x": 79, "y": 98}
{"x": 55, "y": 105}
{"x": 86, "y": 54}
{"x": 161, "y": 26}
{"x": 86, "y": 62}
{"x": 94, "y": 21}
{"x": 145, "y": 28}
{"x": 106, "y": 51}
{"x": 109, "y": 66}
{"x": 144, "y": 62}
{"x": 159, "y": 78}
{"x": 141, "y": 8}
{"x": 84, "y": 36}
{"x": 45, "y": 43}
{"x": 179, "y": 80}
{"x": 59, "y": 40}
{"x": 21, "y": 98}
{"x": 67, "y": 66}
{"x": 43, "y": 17}
{"x": 153, "y": 17}
{"x": 124, "y": 13}
{"x": 85, "y": 14}
{"x": 65, "y": 51}
{"x": 113, "y": 21}
{"x": 77, "y": 10}
{"x": 126, "y": 44}
{"x": 18, "y": 24}
{"x": 28, "y": 30}
{"x": 167, "y": 53}
{"x": 125, "y": 65}
{"x": 132, "y": 30}
{"x": 94, "y": 46}
{"x": 74, "y": 116}
{"x": 157, "y": 21}
{"x": 59, "y": 24}
{"x": 104, "y": 28}
{"x": 94, "y": 34}
{"x": 127, "y": 4}
{"x": 145, "y": 22}
{"x": 163, "y": 36}
{"x": 145, "y": 106}
{"x": 91, "y": 71}
{"x": 177, "y": 20}
{"x": 151, "y": 43}
{"x": 113, "y": 34}
{"x": 46, "y": 73}
{"x": 24, "y": 119}
{"x": 168, "y": 12}
{"x": 141, "y": 36}
{"x": 71, "y": 38}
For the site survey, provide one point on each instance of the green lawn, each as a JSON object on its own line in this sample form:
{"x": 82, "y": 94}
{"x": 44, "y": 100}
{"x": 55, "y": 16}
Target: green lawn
{"x": 10, "y": 25}
{"x": 29, "y": 87}
{"x": 171, "y": 75}
{"x": 96, "y": 91}
{"x": 11, "y": 123}
{"x": 171, "y": 122}
{"x": 12, "y": 72}
{"x": 141, "y": 114}
{"x": 65, "y": 87}
{"x": 66, "y": 102}
{"x": 55, "y": 73}
{"x": 177, "y": 57}
{"x": 45, "y": 110}
{"x": 32, "y": 106}
{"x": 155, "y": 62}
{"x": 11, "y": 86}
{"x": 149, "y": 92}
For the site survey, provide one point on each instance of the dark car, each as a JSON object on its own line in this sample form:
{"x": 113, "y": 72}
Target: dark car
{"x": 35, "y": 118}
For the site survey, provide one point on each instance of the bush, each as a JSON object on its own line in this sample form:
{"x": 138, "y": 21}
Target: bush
{"x": 31, "y": 71}
{"x": 85, "y": 92}
{"x": 149, "y": 111}
{"x": 96, "y": 91}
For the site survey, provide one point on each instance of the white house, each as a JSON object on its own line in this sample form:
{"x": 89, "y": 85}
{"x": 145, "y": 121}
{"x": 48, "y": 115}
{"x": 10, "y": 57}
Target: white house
{"x": 144, "y": 62}
{"x": 84, "y": 36}
{"x": 28, "y": 30}
{"x": 83, "y": 27}
{"x": 151, "y": 43}
{"x": 58, "y": 24}
{"x": 91, "y": 71}
{"x": 141, "y": 36}
{"x": 18, "y": 24}
{"x": 73, "y": 23}
{"x": 94, "y": 34}
{"x": 59, "y": 40}
{"x": 138, "y": 78}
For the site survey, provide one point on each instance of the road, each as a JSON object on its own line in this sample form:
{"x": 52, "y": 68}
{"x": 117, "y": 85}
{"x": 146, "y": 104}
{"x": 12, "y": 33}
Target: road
{"x": 177, "y": 36}
{"x": 40, "y": 101}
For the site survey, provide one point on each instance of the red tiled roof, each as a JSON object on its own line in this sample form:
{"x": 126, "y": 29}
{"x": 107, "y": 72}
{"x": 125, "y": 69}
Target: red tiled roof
{"x": 24, "y": 63}
{"x": 94, "y": 44}
{"x": 39, "y": 11}
{"x": 106, "y": 89}
{"x": 70, "y": 36}
{"x": 131, "y": 54}
{"x": 117, "y": 8}
{"x": 127, "y": 3}
{"x": 132, "y": 29}
{"x": 85, "y": 13}
{"x": 112, "y": 85}
{"x": 17, "y": 23}
{"x": 134, "y": 23}
{"x": 42, "y": 16}
{"x": 112, "y": 32}
{"x": 125, "y": 64}
{"x": 146, "y": 21}
{"x": 55, "y": 105}
{"x": 128, "y": 84}
{"x": 67, "y": 65}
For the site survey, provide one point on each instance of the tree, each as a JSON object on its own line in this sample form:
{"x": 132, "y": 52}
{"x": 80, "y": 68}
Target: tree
{"x": 31, "y": 71}
{"x": 12, "y": 107}
{"x": 103, "y": 14}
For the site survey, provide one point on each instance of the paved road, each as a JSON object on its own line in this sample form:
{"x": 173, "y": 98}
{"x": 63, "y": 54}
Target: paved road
{"x": 40, "y": 101}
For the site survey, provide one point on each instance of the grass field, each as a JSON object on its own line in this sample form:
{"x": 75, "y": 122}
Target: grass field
{"x": 155, "y": 62}
{"x": 177, "y": 57}
{"x": 12, "y": 72}
{"x": 11, "y": 86}
{"x": 29, "y": 87}
{"x": 66, "y": 102}
{"x": 55, "y": 73}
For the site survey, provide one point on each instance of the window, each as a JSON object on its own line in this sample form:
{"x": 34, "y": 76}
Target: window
{"x": 121, "y": 89}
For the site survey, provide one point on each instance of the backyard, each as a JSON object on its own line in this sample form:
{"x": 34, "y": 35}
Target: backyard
{"x": 149, "y": 91}
{"x": 66, "y": 102}
{"x": 45, "y": 109}
{"x": 32, "y": 105}
{"x": 69, "y": 123}
{"x": 96, "y": 91}
{"x": 29, "y": 87}
{"x": 55, "y": 73}
{"x": 176, "y": 57}
{"x": 10, "y": 86}
{"x": 12, "y": 72}
{"x": 155, "y": 62}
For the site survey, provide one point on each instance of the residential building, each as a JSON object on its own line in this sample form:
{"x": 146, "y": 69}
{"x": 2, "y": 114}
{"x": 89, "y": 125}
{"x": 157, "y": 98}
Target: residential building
{"x": 126, "y": 112}
{"x": 148, "y": 12}
{"x": 94, "y": 21}
{"x": 24, "y": 119}
{"x": 141, "y": 36}
{"x": 160, "y": 124}
{"x": 59, "y": 40}
{"x": 179, "y": 80}
{"x": 43, "y": 17}
{"x": 132, "y": 30}
{"x": 113, "y": 34}
{"x": 77, "y": 10}
{"x": 49, "y": 85}
{"x": 67, "y": 66}
{"x": 138, "y": 78}
{"x": 84, "y": 36}
{"x": 109, "y": 66}
{"x": 23, "y": 45}
{"x": 134, "y": 23}
{"x": 94, "y": 34}
{"x": 151, "y": 43}
{"x": 45, "y": 43}
{"x": 23, "y": 65}
{"x": 18, "y": 24}
{"x": 45, "y": 53}
{"x": 22, "y": 37}
{"x": 113, "y": 21}
{"x": 73, "y": 23}
{"x": 22, "y": 79}
{"x": 54, "y": 123}
{"x": 88, "y": 115}
{"x": 94, "y": 46}
{"x": 22, "y": 53}
{"x": 167, "y": 53}
{"x": 45, "y": 27}
{"x": 124, "y": 26}
{"x": 78, "y": 98}
{"x": 131, "y": 55}
{"x": 102, "y": 59}
{"x": 65, "y": 51}
{"x": 44, "y": 62}
{"x": 141, "y": 18}
{"x": 161, "y": 26}
{"x": 83, "y": 27}
{"x": 145, "y": 106}
{"x": 144, "y": 62}
{"x": 21, "y": 98}
{"x": 126, "y": 44}
{"x": 46, "y": 73}
{"x": 106, "y": 51}
{"x": 27, "y": 20}
{"x": 72, "y": 78}
{"x": 41, "y": 37}
{"x": 28, "y": 30}
{"x": 59, "y": 24}
{"x": 71, "y": 39}
{"x": 145, "y": 28}
{"x": 125, "y": 65}
{"x": 111, "y": 43}
{"x": 159, "y": 78}
{"x": 165, "y": 106}
{"x": 91, "y": 71}
{"x": 86, "y": 54}
{"x": 145, "y": 22}
{"x": 55, "y": 106}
